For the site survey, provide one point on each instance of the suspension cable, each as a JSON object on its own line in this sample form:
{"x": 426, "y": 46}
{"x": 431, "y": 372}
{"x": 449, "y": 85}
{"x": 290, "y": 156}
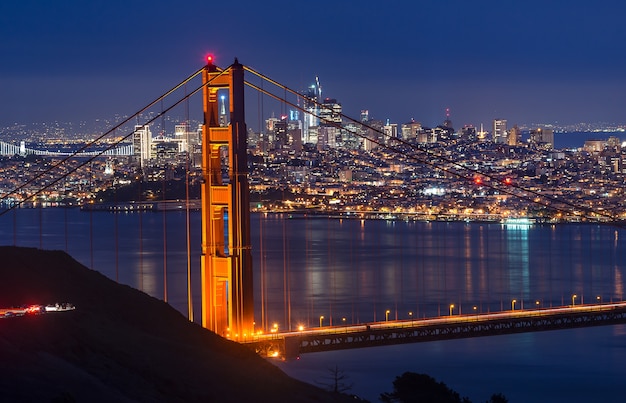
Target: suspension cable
{"x": 110, "y": 146}
{"x": 93, "y": 142}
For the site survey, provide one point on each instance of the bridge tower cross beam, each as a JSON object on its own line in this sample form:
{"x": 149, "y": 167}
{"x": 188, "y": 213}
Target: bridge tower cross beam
{"x": 226, "y": 261}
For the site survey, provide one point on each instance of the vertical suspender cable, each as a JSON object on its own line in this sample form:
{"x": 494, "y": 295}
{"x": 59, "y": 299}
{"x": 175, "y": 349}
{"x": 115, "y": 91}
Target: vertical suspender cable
{"x": 285, "y": 277}
{"x": 40, "y": 213}
{"x": 264, "y": 320}
{"x": 187, "y": 213}
{"x": 264, "y": 313}
{"x": 14, "y": 227}
{"x": 307, "y": 252}
{"x": 418, "y": 267}
{"x": 163, "y": 202}
{"x": 188, "y": 236}
{"x": 286, "y": 319}
{"x": 485, "y": 241}
{"x": 117, "y": 233}
{"x": 401, "y": 268}
{"x": 65, "y": 220}
{"x": 355, "y": 277}
{"x": 139, "y": 212}
{"x": 91, "y": 186}
{"x": 331, "y": 267}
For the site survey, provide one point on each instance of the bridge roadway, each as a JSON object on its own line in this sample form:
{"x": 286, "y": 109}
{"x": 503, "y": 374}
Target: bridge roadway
{"x": 289, "y": 345}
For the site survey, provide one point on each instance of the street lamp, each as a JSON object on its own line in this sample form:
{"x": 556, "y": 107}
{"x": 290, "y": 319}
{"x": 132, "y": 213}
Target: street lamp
{"x": 387, "y": 315}
{"x": 573, "y": 299}
{"x": 411, "y": 316}
{"x": 321, "y": 319}
{"x": 513, "y": 304}
{"x": 599, "y": 299}
{"x": 451, "y": 308}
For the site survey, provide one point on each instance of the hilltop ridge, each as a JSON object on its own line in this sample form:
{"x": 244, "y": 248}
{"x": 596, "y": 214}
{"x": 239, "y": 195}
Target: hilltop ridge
{"x": 119, "y": 344}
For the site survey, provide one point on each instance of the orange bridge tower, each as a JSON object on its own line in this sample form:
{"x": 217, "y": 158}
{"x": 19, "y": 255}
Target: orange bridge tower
{"x": 226, "y": 262}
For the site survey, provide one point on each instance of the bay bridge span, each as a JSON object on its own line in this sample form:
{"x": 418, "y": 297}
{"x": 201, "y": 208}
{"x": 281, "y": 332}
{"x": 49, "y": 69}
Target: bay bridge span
{"x": 8, "y": 149}
{"x": 228, "y": 290}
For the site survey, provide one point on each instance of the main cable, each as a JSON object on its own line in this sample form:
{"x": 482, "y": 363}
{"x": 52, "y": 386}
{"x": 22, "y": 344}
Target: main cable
{"x": 112, "y": 145}
{"x": 93, "y": 142}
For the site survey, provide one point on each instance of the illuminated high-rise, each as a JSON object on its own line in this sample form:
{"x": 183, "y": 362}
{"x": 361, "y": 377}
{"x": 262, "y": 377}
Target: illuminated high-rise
{"x": 498, "y": 135}
{"x": 411, "y": 129}
{"x": 365, "y": 115}
{"x": 312, "y": 98}
{"x": 330, "y": 113}
{"x": 391, "y": 131}
{"x": 542, "y": 138}
{"x": 514, "y": 137}
{"x": 142, "y": 144}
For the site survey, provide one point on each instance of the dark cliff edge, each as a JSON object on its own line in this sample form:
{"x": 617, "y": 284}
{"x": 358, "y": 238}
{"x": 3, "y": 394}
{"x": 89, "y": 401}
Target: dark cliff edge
{"x": 119, "y": 344}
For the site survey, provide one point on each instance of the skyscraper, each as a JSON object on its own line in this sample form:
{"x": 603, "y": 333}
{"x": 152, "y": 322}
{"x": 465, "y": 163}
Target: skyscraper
{"x": 391, "y": 131}
{"x": 142, "y": 143}
{"x": 499, "y": 131}
{"x": 542, "y": 138}
{"x": 468, "y": 132}
{"x": 330, "y": 113}
{"x": 411, "y": 129}
{"x": 311, "y": 98}
{"x": 514, "y": 137}
{"x": 365, "y": 115}
{"x": 223, "y": 117}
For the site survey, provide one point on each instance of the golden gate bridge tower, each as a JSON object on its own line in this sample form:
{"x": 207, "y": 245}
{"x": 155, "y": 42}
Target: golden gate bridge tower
{"x": 226, "y": 261}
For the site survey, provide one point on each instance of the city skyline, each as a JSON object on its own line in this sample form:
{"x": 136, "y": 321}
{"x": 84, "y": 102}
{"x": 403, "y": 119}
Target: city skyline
{"x": 531, "y": 63}
{"x": 438, "y": 225}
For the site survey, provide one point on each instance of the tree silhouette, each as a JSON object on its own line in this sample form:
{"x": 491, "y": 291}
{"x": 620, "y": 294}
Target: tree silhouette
{"x": 498, "y": 398}
{"x": 420, "y": 388}
{"x": 335, "y": 381}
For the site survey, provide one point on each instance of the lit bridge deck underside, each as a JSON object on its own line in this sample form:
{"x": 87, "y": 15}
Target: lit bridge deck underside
{"x": 292, "y": 344}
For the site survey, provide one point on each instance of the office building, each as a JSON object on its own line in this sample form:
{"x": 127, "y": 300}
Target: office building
{"x": 498, "y": 134}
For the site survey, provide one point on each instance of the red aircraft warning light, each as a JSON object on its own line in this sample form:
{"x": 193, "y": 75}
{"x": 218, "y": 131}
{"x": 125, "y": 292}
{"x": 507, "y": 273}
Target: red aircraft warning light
{"x": 209, "y": 59}
{"x": 478, "y": 180}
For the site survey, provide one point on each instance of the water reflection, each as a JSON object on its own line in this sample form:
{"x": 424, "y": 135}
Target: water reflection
{"x": 308, "y": 267}
{"x": 518, "y": 258}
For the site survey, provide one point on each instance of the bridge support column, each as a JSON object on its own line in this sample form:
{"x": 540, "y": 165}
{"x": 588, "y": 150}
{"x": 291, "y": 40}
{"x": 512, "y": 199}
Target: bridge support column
{"x": 226, "y": 262}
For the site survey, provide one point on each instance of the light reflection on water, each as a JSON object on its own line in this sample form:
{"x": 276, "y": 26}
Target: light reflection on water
{"x": 359, "y": 269}
{"x": 349, "y": 268}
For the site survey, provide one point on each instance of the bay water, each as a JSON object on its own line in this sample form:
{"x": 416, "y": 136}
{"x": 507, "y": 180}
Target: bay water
{"x": 354, "y": 271}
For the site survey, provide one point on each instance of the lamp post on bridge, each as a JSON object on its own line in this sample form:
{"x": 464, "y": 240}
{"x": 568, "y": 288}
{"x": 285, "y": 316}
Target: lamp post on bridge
{"x": 321, "y": 319}
{"x": 574, "y": 299}
{"x": 451, "y": 309}
{"x": 411, "y": 316}
{"x": 387, "y": 315}
{"x": 513, "y": 304}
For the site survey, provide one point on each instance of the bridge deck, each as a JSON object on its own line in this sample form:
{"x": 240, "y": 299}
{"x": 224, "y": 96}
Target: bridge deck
{"x": 291, "y": 344}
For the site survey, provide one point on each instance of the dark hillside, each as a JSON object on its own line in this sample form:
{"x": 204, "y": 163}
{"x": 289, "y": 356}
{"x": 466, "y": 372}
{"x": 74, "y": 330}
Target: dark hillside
{"x": 119, "y": 344}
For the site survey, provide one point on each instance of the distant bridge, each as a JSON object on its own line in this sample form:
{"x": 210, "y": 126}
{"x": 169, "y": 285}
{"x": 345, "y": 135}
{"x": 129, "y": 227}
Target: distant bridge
{"x": 12, "y": 149}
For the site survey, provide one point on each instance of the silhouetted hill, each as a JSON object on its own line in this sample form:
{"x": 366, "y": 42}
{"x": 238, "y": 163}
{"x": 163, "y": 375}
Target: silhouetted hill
{"x": 119, "y": 345}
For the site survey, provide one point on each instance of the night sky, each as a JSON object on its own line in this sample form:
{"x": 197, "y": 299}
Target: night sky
{"x": 532, "y": 61}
